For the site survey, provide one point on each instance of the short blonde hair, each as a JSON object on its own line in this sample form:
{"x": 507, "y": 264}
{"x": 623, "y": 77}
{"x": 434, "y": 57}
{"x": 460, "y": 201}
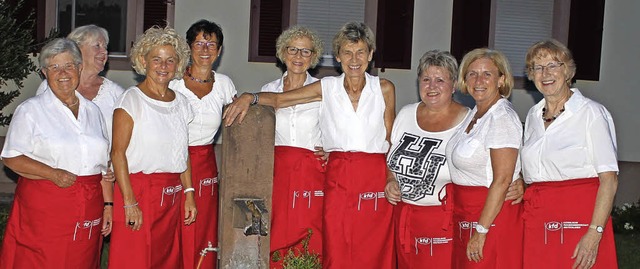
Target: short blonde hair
{"x": 156, "y": 36}
{"x": 295, "y": 32}
{"x": 497, "y": 58}
{"x": 556, "y": 50}
{"x": 354, "y": 32}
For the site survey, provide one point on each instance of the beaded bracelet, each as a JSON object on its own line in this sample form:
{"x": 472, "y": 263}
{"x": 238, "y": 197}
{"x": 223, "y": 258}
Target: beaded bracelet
{"x": 131, "y": 205}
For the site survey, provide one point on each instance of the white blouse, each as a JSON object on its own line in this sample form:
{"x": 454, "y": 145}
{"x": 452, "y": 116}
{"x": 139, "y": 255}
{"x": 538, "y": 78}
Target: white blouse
{"x": 159, "y": 139}
{"x": 417, "y": 159}
{"x": 343, "y": 128}
{"x": 45, "y": 130}
{"x": 580, "y": 143}
{"x": 106, "y": 98}
{"x": 468, "y": 154}
{"x": 299, "y": 125}
{"x": 208, "y": 110}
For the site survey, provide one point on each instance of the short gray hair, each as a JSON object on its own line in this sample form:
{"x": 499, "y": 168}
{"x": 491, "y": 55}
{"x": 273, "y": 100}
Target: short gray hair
{"x": 440, "y": 59}
{"x": 58, "y": 46}
{"x": 354, "y": 32}
{"x": 295, "y": 32}
{"x": 85, "y": 32}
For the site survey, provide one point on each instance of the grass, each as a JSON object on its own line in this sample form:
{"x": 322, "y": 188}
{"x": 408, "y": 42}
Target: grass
{"x": 627, "y": 245}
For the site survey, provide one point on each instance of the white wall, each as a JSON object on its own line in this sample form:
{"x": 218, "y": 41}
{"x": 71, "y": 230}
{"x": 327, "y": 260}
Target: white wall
{"x": 432, "y": 30}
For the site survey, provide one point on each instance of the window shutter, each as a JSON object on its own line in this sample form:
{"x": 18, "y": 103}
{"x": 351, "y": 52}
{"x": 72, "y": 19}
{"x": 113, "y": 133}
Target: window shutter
{"x": 155, "y": 13}
{"x": 326, "y": 17}
{"x": 268, "y": 19}
{"x": 585, "y": 37}
{"x": 527, "y": 21}
{"x": 470, "y": 26}
{"x": 394, "y": 34}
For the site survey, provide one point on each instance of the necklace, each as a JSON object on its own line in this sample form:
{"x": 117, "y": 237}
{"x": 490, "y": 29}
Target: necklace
{"x": 554, "y": 117}
{"x": 71, "y": 105}
{"x": 211, "y": 79}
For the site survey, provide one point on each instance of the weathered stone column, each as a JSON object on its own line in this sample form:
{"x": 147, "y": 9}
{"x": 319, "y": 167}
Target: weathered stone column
{"x": 246, "y": 178}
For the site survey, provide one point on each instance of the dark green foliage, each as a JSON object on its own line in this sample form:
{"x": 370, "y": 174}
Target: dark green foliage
{"x": 15, "y": 45}
{"x": 626, "y": 218}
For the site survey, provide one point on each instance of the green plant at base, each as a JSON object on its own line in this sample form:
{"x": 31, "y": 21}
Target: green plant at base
{"x": 301, "y": 259}
{"x": 626, "y": 218}
{"x": 15, "y": 45}
{"x": 4, "y": 217}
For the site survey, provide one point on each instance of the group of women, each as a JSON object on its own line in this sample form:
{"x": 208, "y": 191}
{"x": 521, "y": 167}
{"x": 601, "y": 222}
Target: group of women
{"x": 568, "y": 159}
{"x": 453, "y": 172}
{"x": 82, "y": 132}
{"x": 435, "y": 186}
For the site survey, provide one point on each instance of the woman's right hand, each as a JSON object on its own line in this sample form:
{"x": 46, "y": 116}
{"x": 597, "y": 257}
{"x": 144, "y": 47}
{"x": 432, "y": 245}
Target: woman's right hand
{"x": 392, "y": 192}
{"x": 238, "y": 109}
{"x": 62, "y": 178}
{"x": 133, "y": 216}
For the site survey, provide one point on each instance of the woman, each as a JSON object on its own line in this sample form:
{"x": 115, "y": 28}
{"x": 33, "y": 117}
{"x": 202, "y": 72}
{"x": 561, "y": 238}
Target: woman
{"x": 357, "y": 112}
{"x": 93, "y": 41}
{"x": 298, "y": 176}
{"x": 483, "y": 161}
{"x": 567, "y": 207}
{"x": 58, "y": 144}
{"x": 422, "y": 211}
{"x": 151, "y": 161}
{"x": 207, "y": 92}
{"x": 421, "y": 191}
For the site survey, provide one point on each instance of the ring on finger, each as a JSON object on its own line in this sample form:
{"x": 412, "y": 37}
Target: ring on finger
{"x": 132, "y": 223}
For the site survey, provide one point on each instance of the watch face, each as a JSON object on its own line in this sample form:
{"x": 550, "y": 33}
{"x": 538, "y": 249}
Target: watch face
{"x": 599, "y": 229}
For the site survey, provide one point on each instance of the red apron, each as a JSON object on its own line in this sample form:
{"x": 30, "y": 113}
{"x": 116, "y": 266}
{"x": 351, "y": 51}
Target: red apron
{"x": 357, "y": 218}
{"x": 298, "y": 181}
{"x": 198, "y": 235}
{"x": 503, "y": 246}
{"x": 424, "y": 234}
{"x": 53, "y": 227}
{"x": 556, "y": 216}
{"x": 156, "y": 245}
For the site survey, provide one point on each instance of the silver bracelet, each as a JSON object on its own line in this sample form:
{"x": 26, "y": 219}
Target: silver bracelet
{"x": 256, "y": 98}
{"x": 131, "y": 205}
{"x": 189, "y": 190}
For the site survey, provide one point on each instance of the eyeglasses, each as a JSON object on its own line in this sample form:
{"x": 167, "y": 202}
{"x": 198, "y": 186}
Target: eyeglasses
{"x": 199, "y": 45}
{"x": 551, "y": 67}
{"x": 303, "y": 52}
{"x": 58, "y": 68}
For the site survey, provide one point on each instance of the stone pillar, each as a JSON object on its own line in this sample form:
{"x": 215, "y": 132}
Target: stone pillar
{"x": 246, "y": 177}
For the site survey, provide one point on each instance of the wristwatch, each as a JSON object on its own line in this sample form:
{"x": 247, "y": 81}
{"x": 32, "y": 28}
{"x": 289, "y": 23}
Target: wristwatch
{"x": 481, "y": 229}
{"x": 598, "y": 229}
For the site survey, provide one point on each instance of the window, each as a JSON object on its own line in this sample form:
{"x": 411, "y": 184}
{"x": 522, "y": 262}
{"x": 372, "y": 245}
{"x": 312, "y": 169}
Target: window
{"x": 123, "y": 19}
{"x": 512, "y": 26}
{"x": 392, "y": 23}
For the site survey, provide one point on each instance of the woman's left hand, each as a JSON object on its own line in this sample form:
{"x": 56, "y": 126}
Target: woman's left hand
{"x": 321, "y": 154}
{"x": 475, "y": 246}
{"x": 107, "y": 220}
{"x": 515, "y": 192}
{"x": 190, "y": 210}
{"x": 587, "y": 250}
{"x": 109, "y": 176}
